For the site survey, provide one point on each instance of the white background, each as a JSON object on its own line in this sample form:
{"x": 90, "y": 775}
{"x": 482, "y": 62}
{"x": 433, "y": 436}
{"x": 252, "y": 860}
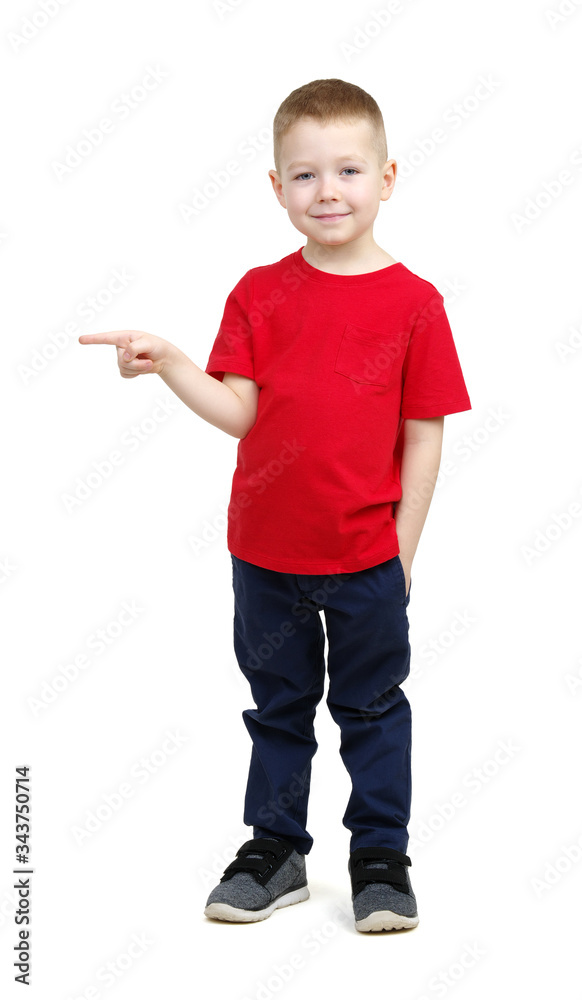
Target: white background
{"x": 490, "y": 838}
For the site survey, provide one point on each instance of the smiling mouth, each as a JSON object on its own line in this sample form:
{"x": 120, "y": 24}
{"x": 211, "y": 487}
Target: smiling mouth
{"x": 332, "y": 215}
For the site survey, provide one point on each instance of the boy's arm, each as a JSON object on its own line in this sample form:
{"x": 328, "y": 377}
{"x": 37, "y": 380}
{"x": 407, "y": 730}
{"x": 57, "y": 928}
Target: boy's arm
{"x": 211, "y": 399}
{"x": 421, "y": 456}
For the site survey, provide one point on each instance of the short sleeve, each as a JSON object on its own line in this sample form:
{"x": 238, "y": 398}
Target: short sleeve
{"x": 433, "y": 383}
{"x": 232, "y": 350}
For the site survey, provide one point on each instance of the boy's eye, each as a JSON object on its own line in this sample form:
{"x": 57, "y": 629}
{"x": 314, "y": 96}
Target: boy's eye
{"x": 308, "y": 173}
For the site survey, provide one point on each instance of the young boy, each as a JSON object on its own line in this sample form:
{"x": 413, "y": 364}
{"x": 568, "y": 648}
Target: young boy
{"x": 334, "y": 367}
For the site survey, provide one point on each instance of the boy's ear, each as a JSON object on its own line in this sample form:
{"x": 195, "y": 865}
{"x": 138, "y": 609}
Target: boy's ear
{"x": 389, "y": 171}
{"x": 277, "y": 187}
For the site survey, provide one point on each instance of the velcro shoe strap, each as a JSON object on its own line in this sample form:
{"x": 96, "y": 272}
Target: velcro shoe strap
{"x": 263, "y": 869}
{"x": 259, "y": 844}
{"x": 379, "y": 854}
{"x": 394, "y": 874}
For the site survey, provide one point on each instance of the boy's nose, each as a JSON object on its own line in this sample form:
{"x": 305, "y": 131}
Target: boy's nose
{"x": 327, "y": 189}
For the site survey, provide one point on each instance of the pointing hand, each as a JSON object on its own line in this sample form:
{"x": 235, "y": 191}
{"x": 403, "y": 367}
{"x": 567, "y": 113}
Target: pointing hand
{"x": 138, "y": 353}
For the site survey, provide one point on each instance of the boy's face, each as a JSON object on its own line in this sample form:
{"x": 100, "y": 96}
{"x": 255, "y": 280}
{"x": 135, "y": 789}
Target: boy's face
{"x": 330, "y": 194}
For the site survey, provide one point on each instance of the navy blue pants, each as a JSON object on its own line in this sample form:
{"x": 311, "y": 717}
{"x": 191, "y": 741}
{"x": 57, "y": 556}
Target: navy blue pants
{"x": 279, "y": 645}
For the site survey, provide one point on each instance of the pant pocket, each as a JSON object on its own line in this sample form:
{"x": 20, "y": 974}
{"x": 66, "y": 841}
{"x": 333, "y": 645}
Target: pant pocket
{"x": 403, "y": 575}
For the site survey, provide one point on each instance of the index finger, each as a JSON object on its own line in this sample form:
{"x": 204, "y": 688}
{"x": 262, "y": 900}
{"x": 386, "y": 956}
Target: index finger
{"x": 120, "y": 338}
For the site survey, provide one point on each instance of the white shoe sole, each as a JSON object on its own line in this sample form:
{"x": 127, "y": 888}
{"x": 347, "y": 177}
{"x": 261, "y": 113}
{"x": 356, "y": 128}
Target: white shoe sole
{"x": 385, "y": 920}
{"x": 223, "y": 911}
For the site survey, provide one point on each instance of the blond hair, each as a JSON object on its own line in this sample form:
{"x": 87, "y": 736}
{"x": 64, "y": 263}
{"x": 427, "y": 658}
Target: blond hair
{"x": 330, "y": 101}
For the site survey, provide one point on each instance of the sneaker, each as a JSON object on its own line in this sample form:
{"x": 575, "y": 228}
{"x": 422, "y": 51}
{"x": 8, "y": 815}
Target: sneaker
{"x": 267, "y": 873}
{"x": 382, "y": 895}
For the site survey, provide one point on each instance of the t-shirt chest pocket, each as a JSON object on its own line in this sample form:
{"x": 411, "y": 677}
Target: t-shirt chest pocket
{"x": 365, "y": 356}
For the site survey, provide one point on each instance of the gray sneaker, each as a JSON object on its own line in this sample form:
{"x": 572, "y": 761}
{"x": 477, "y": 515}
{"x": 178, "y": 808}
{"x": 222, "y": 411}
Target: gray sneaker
{"x": 267, "y": 873}
{"x": 382, "y": 894}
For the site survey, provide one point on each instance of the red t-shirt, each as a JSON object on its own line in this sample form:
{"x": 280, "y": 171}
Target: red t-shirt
{"x": 341, "y": 361}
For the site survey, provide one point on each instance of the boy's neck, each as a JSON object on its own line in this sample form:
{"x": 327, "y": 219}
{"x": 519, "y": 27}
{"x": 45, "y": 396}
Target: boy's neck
{"x": 346, "y": 258}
